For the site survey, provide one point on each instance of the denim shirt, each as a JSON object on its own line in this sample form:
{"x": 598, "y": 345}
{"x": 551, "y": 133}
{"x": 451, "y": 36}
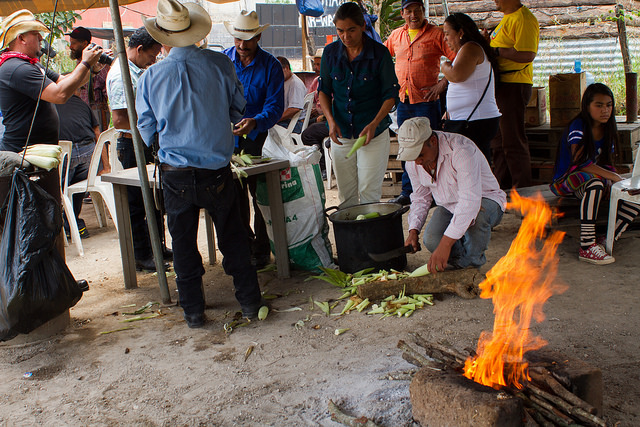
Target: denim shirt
{"x": 360, "y": 87}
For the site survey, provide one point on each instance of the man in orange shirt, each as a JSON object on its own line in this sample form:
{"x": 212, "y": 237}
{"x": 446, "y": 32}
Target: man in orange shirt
{"x": 417, "y": 47}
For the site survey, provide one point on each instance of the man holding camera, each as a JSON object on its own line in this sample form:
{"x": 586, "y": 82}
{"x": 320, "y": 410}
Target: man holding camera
{"x": 94, "y": 92}
{"x": 21, "y": 80}
{"x": 141, "y": 53}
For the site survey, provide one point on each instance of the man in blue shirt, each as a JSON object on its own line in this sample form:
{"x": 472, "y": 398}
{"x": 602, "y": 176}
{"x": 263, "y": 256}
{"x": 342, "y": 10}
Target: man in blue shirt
{"x": 188, "y": 101}
{"x": 263, "y": 80}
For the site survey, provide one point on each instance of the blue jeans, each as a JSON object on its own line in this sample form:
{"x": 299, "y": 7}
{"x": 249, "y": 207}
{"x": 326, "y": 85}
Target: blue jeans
{"x": 469, "y": 249}
{"x": 185, "y": 193}
{"x": 139, "y": 228}
{"x": 405, "y": 111}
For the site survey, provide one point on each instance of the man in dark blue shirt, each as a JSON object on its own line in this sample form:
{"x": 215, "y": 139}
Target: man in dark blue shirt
{"x": 263, "y": 80}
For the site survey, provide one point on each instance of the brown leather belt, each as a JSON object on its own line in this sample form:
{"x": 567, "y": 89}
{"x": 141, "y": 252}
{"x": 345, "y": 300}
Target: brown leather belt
{"x": 166, "y": 167}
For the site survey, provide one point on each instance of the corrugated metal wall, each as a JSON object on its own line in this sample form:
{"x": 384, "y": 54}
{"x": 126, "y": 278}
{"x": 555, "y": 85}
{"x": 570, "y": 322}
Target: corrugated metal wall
{"x": 598, "y": 56}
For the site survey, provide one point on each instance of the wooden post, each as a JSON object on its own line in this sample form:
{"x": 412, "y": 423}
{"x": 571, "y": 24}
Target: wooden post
{"x": 631, "y": 78}
{"x": 305, "y": 35}
{"x": 622, "y": 35}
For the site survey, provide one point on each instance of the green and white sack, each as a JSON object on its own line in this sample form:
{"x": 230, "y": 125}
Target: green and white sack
{"x": 304, "y": 201}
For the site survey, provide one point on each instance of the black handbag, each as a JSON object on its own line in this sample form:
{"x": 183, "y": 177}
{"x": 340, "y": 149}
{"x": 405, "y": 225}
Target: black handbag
{"x": 459, "y": 126}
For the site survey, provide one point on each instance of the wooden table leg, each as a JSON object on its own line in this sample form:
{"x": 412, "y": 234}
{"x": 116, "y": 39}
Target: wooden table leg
{"x": 124, "y": 236}
{"x": 211, "y": 237}
{"x": 277, "y": 223}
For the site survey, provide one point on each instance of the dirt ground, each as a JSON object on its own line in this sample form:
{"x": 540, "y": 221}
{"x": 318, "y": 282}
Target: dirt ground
{"x": 162, "y": 373}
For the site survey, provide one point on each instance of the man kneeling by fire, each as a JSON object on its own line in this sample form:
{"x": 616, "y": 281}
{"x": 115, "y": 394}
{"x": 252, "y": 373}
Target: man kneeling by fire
{"x": 450, "y": 170}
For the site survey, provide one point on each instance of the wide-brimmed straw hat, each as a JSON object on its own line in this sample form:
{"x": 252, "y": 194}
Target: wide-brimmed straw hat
{"x": 177, "y": 24}
{"x": 246, "y": 26}
{"x": 17, "y": 23}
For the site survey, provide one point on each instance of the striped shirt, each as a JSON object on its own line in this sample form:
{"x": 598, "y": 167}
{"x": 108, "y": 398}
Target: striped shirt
{"x": 463, "y": 178}
{"x": 574, "y": 136}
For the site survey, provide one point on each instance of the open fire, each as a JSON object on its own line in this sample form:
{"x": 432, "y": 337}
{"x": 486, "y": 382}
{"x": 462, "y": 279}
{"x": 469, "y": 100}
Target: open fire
{"x": 519, "y": 285}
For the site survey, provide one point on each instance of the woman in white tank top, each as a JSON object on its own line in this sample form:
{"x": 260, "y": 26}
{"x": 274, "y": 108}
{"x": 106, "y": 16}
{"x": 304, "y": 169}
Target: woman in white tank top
{"x": 471, "y": 102}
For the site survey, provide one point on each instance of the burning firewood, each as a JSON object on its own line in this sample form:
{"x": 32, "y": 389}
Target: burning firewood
{"x": 555, "y": 407}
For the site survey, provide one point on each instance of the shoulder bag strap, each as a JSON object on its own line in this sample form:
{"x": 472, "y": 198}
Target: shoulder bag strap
{"x": 483, "y": 94}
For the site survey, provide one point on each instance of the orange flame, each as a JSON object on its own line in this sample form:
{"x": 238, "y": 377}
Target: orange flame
{"x": 519, "y": 285}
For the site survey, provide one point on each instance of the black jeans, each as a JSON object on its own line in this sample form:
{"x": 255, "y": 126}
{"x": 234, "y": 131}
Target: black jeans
{"x": 259, "y": 238}
{"x": 185, "y": 193}
{"x": 139, "y": 230}
{"x": 315, "y": 134}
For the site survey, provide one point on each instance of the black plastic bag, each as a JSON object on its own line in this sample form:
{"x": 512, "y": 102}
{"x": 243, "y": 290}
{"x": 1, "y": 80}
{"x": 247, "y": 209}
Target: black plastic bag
{"x": 35, "y": 283}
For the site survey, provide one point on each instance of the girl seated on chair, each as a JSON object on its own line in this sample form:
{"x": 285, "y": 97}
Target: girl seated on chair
{"x": 584, "y": 169}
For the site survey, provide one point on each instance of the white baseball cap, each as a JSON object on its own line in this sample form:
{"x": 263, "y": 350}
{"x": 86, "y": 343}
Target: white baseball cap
{"x": 411, "y": 137}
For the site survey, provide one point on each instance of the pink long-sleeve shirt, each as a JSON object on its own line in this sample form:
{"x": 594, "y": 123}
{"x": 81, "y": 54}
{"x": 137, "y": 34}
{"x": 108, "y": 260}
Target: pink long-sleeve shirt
{"x": 463, "y": 178}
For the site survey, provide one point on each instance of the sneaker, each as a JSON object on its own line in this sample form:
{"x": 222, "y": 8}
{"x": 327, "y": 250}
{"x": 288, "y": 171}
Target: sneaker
{"x": 84, "y": 233}
{"x": 602, "y": 240}
{"x": 595, "y": 255}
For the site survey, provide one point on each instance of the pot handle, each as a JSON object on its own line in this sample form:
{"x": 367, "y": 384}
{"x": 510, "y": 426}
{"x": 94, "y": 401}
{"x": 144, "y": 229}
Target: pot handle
{"x": 326, "y": 211}
{"x": 400, "y": 211}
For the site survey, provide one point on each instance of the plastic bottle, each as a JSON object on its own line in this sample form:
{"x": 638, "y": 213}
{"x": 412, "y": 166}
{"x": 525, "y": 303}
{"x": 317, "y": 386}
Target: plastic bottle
{"x": 577, "y": 66}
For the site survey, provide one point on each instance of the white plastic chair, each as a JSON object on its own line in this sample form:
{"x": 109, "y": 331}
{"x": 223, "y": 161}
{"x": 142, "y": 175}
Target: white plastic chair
{"x": 617, "y": 194}
{"x": 307, "y": 107}
{"x": 328, "y": 161}
{"x": 67, "y": 205}
{"x": 100, "y": 191}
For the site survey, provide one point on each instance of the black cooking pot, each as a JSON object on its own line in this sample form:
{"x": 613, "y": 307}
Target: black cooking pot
{"x": 355, "y": 239}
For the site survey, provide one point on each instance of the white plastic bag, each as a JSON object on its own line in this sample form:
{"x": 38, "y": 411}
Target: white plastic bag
{"x": 304, "y": 200}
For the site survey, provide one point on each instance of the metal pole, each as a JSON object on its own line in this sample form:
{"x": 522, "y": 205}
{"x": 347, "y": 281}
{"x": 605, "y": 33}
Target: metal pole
{"x": 139, "y": 152}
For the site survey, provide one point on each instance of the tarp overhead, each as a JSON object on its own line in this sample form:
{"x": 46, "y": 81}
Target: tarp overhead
{"x": 7, "y": 7}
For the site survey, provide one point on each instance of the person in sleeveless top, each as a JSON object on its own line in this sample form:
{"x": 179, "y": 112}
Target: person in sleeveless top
{"x": 471, "y": 103}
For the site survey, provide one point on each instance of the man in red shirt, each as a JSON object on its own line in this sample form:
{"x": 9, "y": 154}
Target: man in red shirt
{"x": 417, "y": 47}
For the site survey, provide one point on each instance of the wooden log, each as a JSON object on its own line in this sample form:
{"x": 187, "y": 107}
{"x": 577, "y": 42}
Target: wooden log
{"x": 543, "y": 376}
{"x": 340, "y": 417}
{"x": 415, "y": 356}
{"x": 543, "y": 410}
{"x": 471, "y": 6}
{"x": 566, "y": 407}
{"x": 454, "y": 358}
{"x": 460, "y": 282}
{"x": 538, "y": 417}
{"x": 560, "y": 419}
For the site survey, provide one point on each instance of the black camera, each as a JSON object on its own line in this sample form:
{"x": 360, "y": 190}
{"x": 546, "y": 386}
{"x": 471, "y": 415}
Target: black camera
{"x": 104, "y": 58}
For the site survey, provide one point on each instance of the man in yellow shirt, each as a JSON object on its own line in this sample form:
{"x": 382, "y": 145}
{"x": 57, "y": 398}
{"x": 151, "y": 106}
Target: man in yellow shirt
{"x": 515, "y": 41}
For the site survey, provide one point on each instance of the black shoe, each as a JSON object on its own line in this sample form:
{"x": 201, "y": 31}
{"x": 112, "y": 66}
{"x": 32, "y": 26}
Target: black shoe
{"x": 195, "y": 321}
{"x": 167, "y": 254}
{"x": 148, "y": 265}
{"x": 260, "y": 261}
{"x": 83, "y": 285}
{"x": 401, "y": 200}
{"x": 251, "y": 311}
